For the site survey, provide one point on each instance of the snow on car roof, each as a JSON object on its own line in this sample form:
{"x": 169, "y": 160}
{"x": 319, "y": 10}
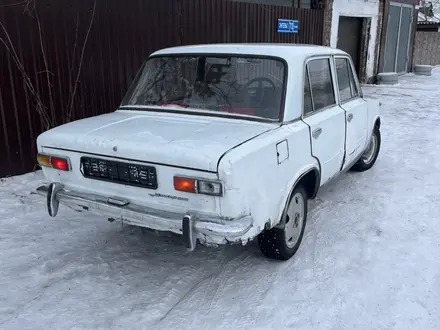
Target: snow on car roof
{"x": 285, "y": 51}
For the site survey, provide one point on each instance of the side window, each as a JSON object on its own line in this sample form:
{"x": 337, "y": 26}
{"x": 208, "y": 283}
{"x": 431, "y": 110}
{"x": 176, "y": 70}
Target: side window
{"x": 321, "y": 83}
{"x": 354, "y": 89}
{"x": 308, "y": 106}
{"x": 346, "y": 81}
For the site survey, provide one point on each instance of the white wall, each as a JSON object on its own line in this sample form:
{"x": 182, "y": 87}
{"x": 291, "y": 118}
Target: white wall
{"x": 358, "y": 8}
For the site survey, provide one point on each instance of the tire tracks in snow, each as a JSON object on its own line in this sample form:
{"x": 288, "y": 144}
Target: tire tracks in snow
{"x": 218, "y": 283}
{"x": 253, "y": 295}
{"x": 184, "y": 297}
{"x": 312, "y": 230}
{"x": 215, "y": 279}
{"x": 269, "y": 279}
{"x": 211, "y": 286}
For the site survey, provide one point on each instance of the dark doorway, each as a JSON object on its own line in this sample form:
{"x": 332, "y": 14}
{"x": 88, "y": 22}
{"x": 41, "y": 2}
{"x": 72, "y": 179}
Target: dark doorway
{"x": 350, "y": 37}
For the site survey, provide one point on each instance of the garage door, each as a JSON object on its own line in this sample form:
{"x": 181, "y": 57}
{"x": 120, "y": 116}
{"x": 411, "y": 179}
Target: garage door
{"x": 398, "y": 38}
{"x": 349, "y": 37}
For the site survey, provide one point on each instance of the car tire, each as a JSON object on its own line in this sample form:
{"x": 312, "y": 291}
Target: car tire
{"x": 423, "y": 70}
{"x": 282, "y": 242}
{"x": 387, "y": 78}
{"x": 370, "y": 155}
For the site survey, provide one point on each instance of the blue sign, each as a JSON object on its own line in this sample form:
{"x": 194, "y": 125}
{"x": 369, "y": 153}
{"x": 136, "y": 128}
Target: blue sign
{"x": 288, "y": 26}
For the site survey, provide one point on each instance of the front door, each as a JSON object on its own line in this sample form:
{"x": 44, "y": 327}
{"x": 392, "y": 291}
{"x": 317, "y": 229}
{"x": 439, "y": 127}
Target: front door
{"x": 326, "y": 120}
{"x": 356, "y": 110}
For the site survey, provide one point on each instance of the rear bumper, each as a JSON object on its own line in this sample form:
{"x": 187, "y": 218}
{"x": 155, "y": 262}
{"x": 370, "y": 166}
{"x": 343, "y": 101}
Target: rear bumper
{"x": 191, "y": 225}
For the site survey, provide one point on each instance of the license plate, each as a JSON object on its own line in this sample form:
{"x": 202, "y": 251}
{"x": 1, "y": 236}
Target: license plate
{"x": 119, "y": 172}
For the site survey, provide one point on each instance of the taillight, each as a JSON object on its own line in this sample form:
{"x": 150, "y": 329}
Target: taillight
{"x": 56, "y": 162}
{"x": 198, "y": 186}
{"x": 185, "y": 184}
{"x": 59, "y": 163}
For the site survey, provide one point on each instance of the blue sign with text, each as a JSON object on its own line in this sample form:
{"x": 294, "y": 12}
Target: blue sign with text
{"x": 288, "y": 26}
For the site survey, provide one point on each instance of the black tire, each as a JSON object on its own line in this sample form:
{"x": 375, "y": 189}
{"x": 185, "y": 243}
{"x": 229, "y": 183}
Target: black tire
{"x": 364, "y": 164}
{"x": 273, "y": 243}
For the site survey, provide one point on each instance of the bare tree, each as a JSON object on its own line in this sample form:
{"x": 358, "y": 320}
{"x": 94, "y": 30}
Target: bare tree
{"x": 46, "y": 110}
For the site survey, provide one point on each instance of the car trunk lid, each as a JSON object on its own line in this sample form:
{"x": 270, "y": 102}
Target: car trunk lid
{"x": 187, "y": 141}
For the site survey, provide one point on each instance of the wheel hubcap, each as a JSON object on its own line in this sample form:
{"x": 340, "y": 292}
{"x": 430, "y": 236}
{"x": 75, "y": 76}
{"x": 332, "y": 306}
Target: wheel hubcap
{"x": 368, "y": 155}
{"x": 294, "y": 220}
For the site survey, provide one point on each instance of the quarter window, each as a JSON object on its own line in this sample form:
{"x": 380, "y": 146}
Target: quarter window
{"x": 321, "y": 83}
{"x": 354, "y": 88}
{"x": 308, "y": 104}
{"x": 346, "y": 81}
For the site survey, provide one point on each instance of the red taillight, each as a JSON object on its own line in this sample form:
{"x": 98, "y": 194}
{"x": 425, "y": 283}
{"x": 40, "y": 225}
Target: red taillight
{"x": 58, "y": 163}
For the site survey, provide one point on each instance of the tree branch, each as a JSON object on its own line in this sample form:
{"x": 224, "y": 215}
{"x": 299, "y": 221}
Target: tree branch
{"x": 75, "y": 86}
{"x": 46, "y": 66}
{"x": 41, "y": 109}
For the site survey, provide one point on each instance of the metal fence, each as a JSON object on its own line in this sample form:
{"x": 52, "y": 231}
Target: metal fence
{"x": 62, "y": 60}
{"x": 427, "y": 48}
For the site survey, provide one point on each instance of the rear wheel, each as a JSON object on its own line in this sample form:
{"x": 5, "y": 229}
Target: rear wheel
{"x": 370, "y": 155}
{"x": 283, "y": 241}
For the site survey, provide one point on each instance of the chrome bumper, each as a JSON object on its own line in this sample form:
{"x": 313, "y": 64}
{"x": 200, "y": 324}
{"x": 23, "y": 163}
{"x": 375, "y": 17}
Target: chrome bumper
{"x": 190, "y": 225}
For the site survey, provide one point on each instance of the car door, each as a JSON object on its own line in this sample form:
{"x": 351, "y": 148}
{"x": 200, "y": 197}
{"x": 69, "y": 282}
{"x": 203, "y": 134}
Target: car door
{"x": 323, "y": 115}
{"x": 355, "y": 108}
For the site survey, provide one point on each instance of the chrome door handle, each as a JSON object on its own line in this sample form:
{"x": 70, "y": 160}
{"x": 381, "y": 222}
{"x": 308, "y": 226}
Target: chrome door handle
{"x": 317, "y": 132}
{"x": 349, "y": 117}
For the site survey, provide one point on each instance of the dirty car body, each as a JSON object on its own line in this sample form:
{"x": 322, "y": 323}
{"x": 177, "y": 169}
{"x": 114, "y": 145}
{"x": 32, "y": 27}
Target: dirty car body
{"x": 213, "y": 141}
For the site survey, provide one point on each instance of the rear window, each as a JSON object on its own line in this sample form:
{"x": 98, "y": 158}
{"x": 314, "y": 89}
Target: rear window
{"x": 237, "y": 85}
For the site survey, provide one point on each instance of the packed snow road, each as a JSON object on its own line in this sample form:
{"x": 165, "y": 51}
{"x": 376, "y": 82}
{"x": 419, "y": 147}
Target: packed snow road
{"x": 370, "y": 258}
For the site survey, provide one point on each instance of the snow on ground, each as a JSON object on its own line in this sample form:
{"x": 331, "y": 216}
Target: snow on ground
{"x": 370, "y": 258}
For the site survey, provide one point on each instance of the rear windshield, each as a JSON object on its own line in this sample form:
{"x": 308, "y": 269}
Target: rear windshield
{"x": 230, "y": 84}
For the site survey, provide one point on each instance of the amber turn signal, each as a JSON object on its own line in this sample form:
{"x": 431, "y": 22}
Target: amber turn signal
{"x": 43, "y": 160}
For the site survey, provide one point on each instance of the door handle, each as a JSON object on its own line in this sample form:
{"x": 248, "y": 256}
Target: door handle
{"x": 349, "y": 117}
{"x": 317, "y": 132}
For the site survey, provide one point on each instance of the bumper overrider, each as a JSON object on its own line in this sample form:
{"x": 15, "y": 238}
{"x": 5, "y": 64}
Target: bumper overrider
{"x": 191, "y": 225}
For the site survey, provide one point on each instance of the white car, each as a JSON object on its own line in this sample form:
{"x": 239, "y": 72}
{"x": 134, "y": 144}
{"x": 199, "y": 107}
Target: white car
{"x": 220, "y": 143}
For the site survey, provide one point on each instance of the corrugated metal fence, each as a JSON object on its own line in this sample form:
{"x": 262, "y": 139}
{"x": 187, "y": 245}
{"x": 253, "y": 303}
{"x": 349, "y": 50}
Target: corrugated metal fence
{"x": 63, "y": 60}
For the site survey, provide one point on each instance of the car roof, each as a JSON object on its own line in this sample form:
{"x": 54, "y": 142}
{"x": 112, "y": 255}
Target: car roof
{"x": 285, "y": 51}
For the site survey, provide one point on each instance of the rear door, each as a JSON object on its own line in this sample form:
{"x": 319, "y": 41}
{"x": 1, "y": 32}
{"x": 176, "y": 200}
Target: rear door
{"x": 325, "y": 118}
{"x": 355, "y": 108}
